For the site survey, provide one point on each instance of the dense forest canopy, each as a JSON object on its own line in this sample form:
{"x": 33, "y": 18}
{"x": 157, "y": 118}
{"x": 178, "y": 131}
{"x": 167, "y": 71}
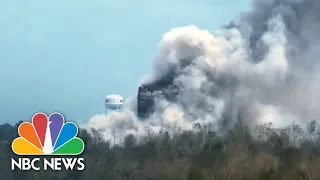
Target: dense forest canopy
{"x": 288, "y": 153}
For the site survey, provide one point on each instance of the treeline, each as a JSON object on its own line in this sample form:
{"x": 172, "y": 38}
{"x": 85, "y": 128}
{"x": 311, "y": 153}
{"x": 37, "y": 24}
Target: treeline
{"x": 265, "y": 153}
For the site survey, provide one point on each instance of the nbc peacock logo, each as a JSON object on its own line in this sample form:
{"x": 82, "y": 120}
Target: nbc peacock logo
{"x": 48, "y": 136}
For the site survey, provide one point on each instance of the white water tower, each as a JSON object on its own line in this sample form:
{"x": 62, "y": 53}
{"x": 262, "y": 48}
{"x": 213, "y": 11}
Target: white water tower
{"x": 113, "y": 102}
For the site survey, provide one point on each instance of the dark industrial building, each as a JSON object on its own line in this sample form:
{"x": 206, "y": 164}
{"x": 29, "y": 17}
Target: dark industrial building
{"x": 147, "y": 95}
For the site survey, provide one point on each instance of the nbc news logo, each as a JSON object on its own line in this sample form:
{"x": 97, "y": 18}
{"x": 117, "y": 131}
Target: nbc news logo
{"x": 48, "y": 137}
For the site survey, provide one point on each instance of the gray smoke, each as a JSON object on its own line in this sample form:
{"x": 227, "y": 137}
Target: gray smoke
{"x": 262, "y": 67}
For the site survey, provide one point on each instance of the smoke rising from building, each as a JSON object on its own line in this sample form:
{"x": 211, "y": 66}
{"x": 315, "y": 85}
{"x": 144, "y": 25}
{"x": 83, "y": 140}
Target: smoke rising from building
{"x": 262, "y": 67}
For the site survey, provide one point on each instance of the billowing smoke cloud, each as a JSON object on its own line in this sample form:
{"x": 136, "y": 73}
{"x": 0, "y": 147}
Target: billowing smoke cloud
{"x": 263, "y": 67}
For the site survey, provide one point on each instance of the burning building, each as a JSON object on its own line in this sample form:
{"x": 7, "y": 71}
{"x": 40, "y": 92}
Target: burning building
{"x": 148, "y": 93}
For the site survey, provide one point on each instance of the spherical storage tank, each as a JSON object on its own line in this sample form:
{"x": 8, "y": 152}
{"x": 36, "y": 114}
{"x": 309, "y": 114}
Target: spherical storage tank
{"x": 114, "y": 102}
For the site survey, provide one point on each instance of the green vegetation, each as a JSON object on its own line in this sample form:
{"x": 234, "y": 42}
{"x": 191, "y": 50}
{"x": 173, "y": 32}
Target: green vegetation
{"x": 269, "y": 154}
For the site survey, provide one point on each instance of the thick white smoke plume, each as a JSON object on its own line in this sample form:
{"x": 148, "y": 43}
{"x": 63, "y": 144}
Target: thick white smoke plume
{"x": 263, "y": 67}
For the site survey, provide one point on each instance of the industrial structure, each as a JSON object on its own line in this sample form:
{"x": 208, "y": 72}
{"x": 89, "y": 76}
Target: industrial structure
{"x": 113, "y": 102}
{"x": 148, "y": 93}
